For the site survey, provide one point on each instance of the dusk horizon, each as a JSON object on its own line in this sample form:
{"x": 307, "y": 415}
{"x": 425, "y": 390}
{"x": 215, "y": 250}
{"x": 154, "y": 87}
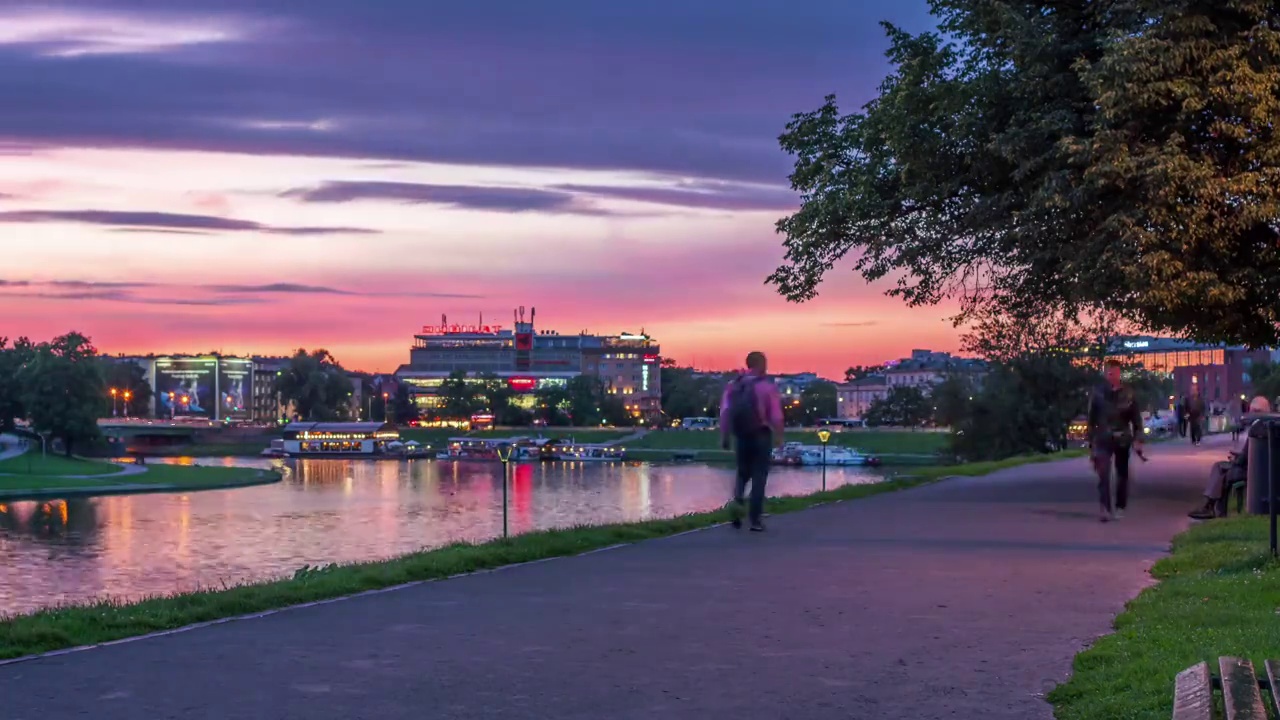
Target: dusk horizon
{"x": 256, "y": 177}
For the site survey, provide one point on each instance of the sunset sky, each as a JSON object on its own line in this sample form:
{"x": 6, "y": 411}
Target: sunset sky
{"x": 254, "y": 176}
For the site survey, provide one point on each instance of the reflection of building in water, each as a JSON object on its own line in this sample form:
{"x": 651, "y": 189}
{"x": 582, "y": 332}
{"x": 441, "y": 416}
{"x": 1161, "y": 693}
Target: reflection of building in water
{"x": 634, "y": 482}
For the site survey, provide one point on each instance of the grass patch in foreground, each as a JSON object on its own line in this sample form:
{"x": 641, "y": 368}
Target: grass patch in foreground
{"x": 1219, "y": 594}
{"x": 85, "y": 625}
{"x": 32, "y": 463}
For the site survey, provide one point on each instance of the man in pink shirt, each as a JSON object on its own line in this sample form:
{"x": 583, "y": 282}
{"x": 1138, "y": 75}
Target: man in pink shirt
{"x": 751, "y": 413}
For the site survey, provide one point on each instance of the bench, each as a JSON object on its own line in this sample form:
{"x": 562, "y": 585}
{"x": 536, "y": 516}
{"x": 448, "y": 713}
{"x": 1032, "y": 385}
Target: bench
{"x": 1242, "y": 695}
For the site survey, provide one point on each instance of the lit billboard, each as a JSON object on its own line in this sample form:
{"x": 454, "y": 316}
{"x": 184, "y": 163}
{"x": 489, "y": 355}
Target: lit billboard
{"x": 235, "y": 388}
{"x": 186, "y": 387}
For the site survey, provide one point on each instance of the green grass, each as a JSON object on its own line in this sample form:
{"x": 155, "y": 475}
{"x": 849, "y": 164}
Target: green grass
{"x": 874, "y": 442}
{"x": 34, "y": 464}
{"x": 82, "y": 625}
{"x": 1219, "y": 594}
{"x": 183, "y": 477}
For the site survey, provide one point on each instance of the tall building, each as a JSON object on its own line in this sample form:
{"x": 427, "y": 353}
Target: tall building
{"x": 1221, "y": 372}
{"x": 854, "y": 399}
{"x": 528, "y": 359}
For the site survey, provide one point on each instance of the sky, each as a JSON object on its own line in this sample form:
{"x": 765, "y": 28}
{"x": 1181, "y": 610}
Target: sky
{"x": 255, "y": 176}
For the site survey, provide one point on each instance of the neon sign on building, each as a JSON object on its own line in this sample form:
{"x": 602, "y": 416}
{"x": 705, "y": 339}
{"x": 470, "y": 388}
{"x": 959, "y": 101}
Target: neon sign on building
{"x": 461, "y": 329}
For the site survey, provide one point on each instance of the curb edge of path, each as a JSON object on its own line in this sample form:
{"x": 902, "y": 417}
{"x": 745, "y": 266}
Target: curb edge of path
{"x": 379, "y": 591}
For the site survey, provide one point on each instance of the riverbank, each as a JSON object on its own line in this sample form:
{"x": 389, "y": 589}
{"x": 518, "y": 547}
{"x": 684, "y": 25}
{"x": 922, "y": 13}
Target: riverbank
{"x": 1218, "y": 594}
{"x": 61, "y": 628}
{"x": 78, "y": 478}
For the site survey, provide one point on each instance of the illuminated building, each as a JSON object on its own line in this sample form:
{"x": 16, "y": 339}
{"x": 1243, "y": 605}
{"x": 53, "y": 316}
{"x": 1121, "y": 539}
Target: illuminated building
{"x": 1221, "y": 372}
{"x": 529, "y": 360}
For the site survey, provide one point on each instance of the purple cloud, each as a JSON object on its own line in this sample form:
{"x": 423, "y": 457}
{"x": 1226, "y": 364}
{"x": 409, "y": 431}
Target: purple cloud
{"x": 699, "y": 194}
{"x": 470, "y": 197}
{"x": 170, "y": 221}
{"x": 693, "y": 89}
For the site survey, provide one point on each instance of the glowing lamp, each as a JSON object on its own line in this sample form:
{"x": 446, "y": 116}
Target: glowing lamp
{"x": 824, "y": 436}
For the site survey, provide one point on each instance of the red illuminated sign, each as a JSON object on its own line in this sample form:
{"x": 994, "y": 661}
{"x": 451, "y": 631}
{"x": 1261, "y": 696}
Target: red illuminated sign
{"x": 522, "y": 383}
{"x": 460, "y": 329}
{"x": 651, "y": 359}
{"x": 524, "y": 341}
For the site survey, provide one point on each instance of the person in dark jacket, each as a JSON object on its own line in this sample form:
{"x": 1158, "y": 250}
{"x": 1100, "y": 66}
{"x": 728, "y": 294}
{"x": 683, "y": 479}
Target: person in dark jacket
{"x": 1115, "y": 430}
{"x": 1196, "y": 412}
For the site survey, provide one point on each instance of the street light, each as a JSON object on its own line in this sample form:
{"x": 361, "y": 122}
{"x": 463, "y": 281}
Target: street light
{"x": 823, "y": 437}
{"x": 128, "y": 395}
{"x": 113, "y": 403}
{"x": 385, "y": 396}
{"x": 504, "y": 455}
{"x": 173, "y": 408}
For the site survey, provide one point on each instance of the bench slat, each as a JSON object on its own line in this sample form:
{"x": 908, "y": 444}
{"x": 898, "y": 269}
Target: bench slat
{"x": 1193, "y": 694}
{"x": 1240, "y": 692}
{"x": 1273, "y": 675}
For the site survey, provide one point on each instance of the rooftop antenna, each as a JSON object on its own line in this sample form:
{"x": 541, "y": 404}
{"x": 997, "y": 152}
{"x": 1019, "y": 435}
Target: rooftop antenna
{"x": 532, "y": 311}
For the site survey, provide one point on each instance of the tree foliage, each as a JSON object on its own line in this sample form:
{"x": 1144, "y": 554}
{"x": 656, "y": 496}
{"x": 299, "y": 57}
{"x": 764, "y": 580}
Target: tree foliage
{"x": 903, "y": 406}
{"x": 64, "y": 390}
{"x": 317, "y": 387}
{"x": 685, "y": 393}
{"x": 13, "y": 359}
{"x": 818, "y": 400}
{"x": 1036, "y": 155}
{"x": 133, "y": 391}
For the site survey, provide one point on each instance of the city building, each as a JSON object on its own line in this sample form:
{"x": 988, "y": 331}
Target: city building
{"x": 1221, "y": 372}
{"x": 926, "y": 368}
{"x": 527, "y": 359}
{"x": 213, "y": 387}
{"x": 853, "y": 399}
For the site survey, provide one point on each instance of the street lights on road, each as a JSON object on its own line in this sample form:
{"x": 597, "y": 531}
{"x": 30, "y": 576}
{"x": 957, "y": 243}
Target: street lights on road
{"x": 823, "y": 437}
{"x": 504, "y": 454}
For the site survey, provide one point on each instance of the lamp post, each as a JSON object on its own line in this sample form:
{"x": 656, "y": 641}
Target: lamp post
{"x": 128, "y": 395}
{"x": 823, "y": 437}
{"x": 504, "y": 454}
{"x": 385, "y": 397}
{"x": 173, "y": 409}
{"x": 113, "y": 403}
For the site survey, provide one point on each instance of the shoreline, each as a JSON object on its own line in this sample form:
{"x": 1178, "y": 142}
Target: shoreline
{"x": 260, "y": 477}
{"x": 60, "y": 628}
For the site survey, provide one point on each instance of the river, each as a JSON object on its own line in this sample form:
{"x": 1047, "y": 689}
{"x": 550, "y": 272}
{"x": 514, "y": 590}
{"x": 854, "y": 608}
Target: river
{"x": 324, "y": 511}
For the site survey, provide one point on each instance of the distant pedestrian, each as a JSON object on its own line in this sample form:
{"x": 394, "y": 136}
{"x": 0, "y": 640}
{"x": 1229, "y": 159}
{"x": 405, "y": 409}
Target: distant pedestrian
{"x": 1195, "y": 414}
{"x": 751, "y": 414}
{"x": 1115, "y": 429}
{"x": 1180, "y": 410}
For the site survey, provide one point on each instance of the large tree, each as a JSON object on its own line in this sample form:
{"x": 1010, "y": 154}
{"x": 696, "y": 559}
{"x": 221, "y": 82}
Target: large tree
{"x": 64, "y": 390}
{"x": 13, "y": 358}
{"x": 317, "y": 387}
{"x": 903, "y": 406}
{"x": 1032, "y": 154}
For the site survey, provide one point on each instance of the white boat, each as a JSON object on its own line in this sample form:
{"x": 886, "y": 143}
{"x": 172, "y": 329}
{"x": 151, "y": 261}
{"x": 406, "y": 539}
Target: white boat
{"x": 811, "y": 455}
{"x": 590, "y": 453}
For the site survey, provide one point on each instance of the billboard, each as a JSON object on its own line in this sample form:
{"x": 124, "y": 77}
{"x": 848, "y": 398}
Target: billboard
{"x": 235, "y": 389}
{"x": 186, "y": 387}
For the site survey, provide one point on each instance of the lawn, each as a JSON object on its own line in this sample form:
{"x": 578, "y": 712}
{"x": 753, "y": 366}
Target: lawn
{"x": 72, "y": 626}
{"x": 34, "y": 464}
{"x": 874, "y": 442}
{"x": 1219, "y": 594}
{"x": 159, "y": 476}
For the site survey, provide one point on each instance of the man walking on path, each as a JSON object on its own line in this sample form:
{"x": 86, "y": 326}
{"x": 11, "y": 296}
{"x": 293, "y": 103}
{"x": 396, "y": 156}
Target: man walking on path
{"x": 1115, "y": 427}
{"x": 751, "y": 412}
{"x": 1180, "y": 410}
{"x": 1195, "y": 414}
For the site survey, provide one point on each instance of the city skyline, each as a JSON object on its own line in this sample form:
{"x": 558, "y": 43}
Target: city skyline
{"x": 256, "y": 177}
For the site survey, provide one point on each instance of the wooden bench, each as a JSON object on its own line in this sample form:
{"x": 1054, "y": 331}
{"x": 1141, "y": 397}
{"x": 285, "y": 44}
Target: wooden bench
{"x": 1242, "y": 695}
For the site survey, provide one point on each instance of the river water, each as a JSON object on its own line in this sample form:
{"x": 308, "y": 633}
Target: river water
{"x": 324, "y": 511}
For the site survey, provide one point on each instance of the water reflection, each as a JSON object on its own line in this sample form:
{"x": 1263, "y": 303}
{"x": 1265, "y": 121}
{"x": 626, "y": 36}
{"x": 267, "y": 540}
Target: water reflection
{"x": 330, "y": 511}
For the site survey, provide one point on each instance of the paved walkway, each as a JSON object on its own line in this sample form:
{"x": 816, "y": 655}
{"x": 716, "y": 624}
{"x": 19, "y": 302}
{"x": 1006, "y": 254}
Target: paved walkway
{"x": 10, "y": 446}
{"x": 966, "y": 599}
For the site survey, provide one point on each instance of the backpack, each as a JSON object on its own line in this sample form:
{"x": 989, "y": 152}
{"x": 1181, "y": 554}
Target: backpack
{"x": 744, "y": 408}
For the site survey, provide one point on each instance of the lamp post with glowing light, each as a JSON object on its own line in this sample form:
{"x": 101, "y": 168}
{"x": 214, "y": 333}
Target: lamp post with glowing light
{"x": 173, "y": 408}
{"x": 823, "y": 437}
{"x": 128, "y": 396}
{"x": 504, "y": 454}
{"x": 114, "y": 411}
{"x": 385, "y": 397}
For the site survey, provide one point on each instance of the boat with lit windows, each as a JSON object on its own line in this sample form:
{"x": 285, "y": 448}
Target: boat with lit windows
{"x": 370, "y": 440}
{"x": 472, "y": 448}
{"x": 575, "y": 452}
{"x": 794, "y": 453}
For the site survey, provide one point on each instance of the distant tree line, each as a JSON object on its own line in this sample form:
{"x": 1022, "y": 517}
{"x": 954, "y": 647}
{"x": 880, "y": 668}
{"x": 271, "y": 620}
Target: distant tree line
{"x": 581, "y": 401}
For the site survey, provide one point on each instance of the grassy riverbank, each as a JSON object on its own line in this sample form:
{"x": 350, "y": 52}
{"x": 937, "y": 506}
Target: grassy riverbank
{"x": 157, "y": 477}
{"x": 1219, "y": 594}
{"x": 33, "y": 463}
{"x": 72, "y": 626}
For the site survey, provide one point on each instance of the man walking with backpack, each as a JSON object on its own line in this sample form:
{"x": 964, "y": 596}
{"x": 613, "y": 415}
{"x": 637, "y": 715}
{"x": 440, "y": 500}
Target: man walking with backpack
{"x": 751, "y": 413}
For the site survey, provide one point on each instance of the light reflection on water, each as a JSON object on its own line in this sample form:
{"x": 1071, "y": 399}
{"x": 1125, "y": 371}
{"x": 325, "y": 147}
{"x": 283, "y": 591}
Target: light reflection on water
{"x": 331, "y": 511}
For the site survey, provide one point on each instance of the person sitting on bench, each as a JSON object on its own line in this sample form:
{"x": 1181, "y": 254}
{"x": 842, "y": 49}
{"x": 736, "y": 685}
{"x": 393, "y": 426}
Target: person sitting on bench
{"x": 1221, "y": 478}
